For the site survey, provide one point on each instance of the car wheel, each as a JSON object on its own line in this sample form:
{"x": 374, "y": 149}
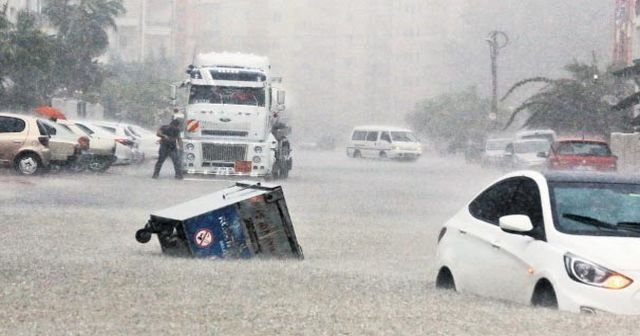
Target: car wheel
{"x": 28, "y": 164}
{"x": 444, "y": 280}
{"x": 544, "y": 295}
{"x": 99, "y": 165}
{"x": 357, "y": 154}
{"x": 383, "y": 154}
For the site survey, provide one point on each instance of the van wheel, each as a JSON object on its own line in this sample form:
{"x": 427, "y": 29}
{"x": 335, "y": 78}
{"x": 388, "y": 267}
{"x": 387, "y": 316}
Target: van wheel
{"x": 383, "y": 154}
{"x": 357, "y": 154}
{"x": 28, "y": 164}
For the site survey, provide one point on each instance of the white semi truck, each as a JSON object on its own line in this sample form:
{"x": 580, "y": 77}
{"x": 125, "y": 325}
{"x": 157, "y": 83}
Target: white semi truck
{"x": 234, "y": 118}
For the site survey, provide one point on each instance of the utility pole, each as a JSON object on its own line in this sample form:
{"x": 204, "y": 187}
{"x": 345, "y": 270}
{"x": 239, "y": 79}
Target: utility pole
{"x": 497, "y": 40}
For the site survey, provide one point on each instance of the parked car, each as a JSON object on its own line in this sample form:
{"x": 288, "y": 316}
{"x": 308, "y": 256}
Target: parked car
{"x": 567, "y": 240}
{"x": 63, "y": 144}
{"x": 493, "y": 154}
{"x": 525, "y": 154}
{"x": 121, "y": 131}
{"x": 124, "y": 146}
{"x": 101, "y": 150}
{"x": 24, "y": 143}
{"x": 580, "y": 154}
{"x": 383, "y": 142}
{"x": 148, "y": 141}
{"x": 546, "y": 134}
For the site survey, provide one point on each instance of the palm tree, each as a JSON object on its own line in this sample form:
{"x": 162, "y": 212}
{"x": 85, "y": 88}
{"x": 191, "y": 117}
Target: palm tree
{"x": 574, "y": 104}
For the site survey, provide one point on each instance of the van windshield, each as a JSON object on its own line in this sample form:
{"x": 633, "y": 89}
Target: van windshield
{"x": 403, "y": 137}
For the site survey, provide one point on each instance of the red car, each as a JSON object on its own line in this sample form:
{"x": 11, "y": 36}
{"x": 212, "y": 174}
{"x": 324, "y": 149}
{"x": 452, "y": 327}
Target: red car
{"x": 581, "y": 154}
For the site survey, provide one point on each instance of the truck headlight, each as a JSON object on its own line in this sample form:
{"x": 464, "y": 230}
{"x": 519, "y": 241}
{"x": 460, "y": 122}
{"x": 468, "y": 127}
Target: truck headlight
{"x": 189, "y": 146}
{"x": 591, "y": 274}
{"x": 257, "y": 159}
{"x": 191, "y": 157}
{"x": 257, "y": 149}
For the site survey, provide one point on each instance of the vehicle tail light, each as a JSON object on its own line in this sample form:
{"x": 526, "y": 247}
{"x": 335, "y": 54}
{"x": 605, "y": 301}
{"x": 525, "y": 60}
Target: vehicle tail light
{"x": 125, "y": 142}
{"x": 44, "y": 140}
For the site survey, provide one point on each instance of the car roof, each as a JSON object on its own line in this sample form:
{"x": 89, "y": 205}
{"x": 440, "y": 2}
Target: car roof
{"x": 581, "y": 140}
{"x": 18, "y": 115}
{"x": 531, "y": 140}
{"x": 381, "y": 128}
{"x": 594, "y": 177}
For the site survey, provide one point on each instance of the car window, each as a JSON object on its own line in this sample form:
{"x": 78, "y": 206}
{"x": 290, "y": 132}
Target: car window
{"x": 11, "y": 125}
{"x": 109, "y": 129}
{"x": 385, "y": 136}
{"x": 583, "y": 148}
{"x": 359, "y": 135}
{"x": 85, "y": 129}
{"x": 372, "y": 136}
{"x": 494, "y": 202}
{"x": 133, "y": 131}
{"x": 526, "y": 201}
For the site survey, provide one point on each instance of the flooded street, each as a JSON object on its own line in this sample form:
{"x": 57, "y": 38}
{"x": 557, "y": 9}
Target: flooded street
{"x": 69, "y": 263}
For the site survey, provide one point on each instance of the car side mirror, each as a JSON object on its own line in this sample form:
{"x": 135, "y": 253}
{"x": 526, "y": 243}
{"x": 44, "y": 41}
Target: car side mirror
{"x": 515, "y": 223}
{"x": 543, "y": 154}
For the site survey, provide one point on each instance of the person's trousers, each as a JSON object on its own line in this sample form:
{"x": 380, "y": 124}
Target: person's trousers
{"x": 175, "y": 157}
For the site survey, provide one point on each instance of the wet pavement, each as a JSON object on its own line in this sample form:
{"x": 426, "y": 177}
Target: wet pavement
{"x": 69, "y": 263}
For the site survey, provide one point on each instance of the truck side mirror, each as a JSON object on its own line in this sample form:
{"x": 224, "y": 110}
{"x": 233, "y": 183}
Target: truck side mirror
{"x": 280, "y": 98}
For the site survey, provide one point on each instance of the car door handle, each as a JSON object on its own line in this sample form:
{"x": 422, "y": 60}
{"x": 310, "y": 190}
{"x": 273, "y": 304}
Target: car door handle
{"x": 462, "y": 231}
{"x": 495, "y": 245}
{"x": 17, "y": 141}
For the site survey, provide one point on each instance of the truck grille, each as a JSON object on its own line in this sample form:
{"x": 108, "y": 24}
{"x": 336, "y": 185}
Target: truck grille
{"x": 224, "y": 153}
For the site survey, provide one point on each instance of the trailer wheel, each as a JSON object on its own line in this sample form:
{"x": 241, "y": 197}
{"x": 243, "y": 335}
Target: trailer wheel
{"x": 143, "y": 236}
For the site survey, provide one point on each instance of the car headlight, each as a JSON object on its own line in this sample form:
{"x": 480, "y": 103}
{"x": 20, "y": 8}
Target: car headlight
{"x": 589, "y": 273}
{"x": 257, "y": 159}
{"x": 258, "y": 149}
{"x": 191, "y": 157}
{"x": 189, "y": 146}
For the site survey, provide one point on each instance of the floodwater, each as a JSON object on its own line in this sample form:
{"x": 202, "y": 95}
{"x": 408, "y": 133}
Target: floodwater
{"x": 69, "y": 263}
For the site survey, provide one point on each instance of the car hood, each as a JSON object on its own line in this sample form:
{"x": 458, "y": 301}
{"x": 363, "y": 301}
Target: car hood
{"x": 617, "y": 253}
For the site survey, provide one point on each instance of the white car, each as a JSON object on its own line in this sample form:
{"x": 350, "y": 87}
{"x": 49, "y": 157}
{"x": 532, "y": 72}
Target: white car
{"x": 122, "y": 131}
{"x": 124, "y": 146}
{"x": 564, "y": 240}
{"x": 526, "y": 154}
{"x": 148, "y": 141}
{"x": 494, "y": 149}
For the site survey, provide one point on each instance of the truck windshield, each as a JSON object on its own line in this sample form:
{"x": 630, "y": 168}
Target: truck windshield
{"x": 209, "y": 94}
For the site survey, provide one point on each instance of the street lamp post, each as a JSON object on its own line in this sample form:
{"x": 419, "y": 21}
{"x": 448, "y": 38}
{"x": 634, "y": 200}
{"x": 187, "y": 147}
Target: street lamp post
{"x": 497, "y": 40}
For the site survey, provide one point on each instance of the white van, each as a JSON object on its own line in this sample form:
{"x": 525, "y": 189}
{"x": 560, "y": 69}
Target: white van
{"x": 383, "y": 142}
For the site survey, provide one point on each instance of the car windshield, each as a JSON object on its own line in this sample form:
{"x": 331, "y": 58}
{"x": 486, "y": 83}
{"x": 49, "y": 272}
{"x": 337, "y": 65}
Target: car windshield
{"x": 403, "y": 137}
{"x": 583, "y": 148}
{"x": 497, "y": 144}
{"x": 611, "y": 209}
{"x": 531, "y": 146}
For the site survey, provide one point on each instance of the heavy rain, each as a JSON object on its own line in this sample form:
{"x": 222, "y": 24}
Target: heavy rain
{"x": 380, "y": 120}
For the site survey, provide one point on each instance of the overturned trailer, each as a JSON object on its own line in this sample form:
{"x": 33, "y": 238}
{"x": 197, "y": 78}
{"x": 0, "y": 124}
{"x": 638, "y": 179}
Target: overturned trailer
{"x": 243, "y": 221}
